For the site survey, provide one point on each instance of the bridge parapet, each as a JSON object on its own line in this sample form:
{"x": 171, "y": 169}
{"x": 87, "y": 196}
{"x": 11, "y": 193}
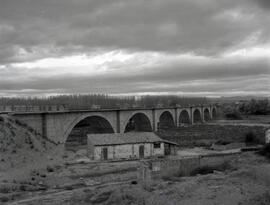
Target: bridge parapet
{"x": 32, "y": 108}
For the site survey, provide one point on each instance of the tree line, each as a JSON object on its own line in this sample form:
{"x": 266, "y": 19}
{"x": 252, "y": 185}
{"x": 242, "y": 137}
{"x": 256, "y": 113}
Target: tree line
{"x": 255, "y": 107}
{"x": 104, "y": 101}
{"x": 251, "y": 107}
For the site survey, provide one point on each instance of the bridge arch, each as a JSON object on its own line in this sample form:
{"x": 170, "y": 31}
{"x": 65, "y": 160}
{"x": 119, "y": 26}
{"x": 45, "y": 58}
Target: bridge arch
{"x": 184, "y": 117}
{"x": 206, "y": 115}
{"x": 76, "y": 134}
{"x": 197, "y": 116}
{"x": 138, "y": 122}
{"x": 166, "y": 120}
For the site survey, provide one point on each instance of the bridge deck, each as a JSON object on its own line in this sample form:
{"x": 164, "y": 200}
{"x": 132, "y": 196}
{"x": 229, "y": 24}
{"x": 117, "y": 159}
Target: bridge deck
{"x": 99, "y": 110}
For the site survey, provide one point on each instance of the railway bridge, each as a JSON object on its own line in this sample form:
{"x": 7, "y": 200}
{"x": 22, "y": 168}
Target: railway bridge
{"x": 59, "y": 125}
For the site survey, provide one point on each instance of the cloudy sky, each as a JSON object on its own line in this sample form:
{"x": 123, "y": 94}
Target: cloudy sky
{"x": 186, "y": 47}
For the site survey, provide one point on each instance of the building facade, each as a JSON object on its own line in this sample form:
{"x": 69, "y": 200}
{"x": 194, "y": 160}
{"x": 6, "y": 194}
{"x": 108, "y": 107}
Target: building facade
{"x": 132, "y": 145}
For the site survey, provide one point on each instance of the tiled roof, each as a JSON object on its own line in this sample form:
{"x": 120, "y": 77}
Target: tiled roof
{"x": 123, "y": 138}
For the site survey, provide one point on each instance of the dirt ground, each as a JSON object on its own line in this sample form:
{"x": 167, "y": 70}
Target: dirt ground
{"x": 34, "y": 170}
{"x": 248, "y": 183}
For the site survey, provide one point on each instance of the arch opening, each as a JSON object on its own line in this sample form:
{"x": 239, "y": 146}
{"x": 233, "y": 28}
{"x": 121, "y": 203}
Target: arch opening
{"x": 138, "y": 123}
{"x": 77, "y": 138}
{"x": 214, "y": 113}
{"x": 166, "y": 120}
{"x": 184, "y": 118}
{"x": 206, "y": 115}
{"x": 197, "y": 118}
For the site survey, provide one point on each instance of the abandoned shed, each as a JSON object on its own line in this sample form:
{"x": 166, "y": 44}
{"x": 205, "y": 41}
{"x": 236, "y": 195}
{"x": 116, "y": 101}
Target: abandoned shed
{"x": 129, "y": 145}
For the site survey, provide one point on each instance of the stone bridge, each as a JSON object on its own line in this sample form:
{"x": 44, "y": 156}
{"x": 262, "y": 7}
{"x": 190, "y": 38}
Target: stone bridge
{"x": 58, "y": 125}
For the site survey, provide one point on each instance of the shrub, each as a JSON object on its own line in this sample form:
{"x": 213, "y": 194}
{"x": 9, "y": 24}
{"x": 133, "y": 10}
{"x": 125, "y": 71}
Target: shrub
{"x": 265, "y": 151}
{"x": 202, "y": 170}
{"x": 5, "y": 189}
{"x": 255, "y": 107}
{"x": 251, "y": 138}
{"x": 22, "y": 187}
{"x": 233, "y": 115}
{"x": 50, "y": 169}
{"x": 18, "y": 122}
{"x": 4, "y": 199}
{"x": 222, "y": 142}
{"x": 210, "y": 169}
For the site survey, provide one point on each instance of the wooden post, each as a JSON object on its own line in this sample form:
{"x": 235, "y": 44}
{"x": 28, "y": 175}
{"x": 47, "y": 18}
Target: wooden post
{"x": 144, "y": 175}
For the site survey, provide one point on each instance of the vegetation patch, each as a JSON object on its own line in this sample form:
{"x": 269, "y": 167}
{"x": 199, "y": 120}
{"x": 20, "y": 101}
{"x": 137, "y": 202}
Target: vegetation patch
{"x": 104, "y": 172}
{"x": 265, "y": 151}
{"x": 203, "y": 170}
{"x": 232, "y": 114}
{"x": 222, "y": 142}
{"x": 251, "y": 138}
{"x": 255, "y": 107}
{"x": 4, "y": 199}
{"x": 210, "y": 169}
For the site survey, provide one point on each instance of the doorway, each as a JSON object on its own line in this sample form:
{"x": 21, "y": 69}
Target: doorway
{"x": 141, "y": 151}
{"x": 104, "y": 153}
{"x": 167, "y": 149}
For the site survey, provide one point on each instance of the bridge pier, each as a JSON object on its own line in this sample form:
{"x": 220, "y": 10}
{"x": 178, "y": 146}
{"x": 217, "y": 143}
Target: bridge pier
{"x": 154, "y": 120}
{"x": 118, "y": 129}
{"x": 175, "y": 117}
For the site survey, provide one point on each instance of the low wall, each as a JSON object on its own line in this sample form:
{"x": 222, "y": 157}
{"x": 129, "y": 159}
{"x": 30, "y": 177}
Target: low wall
{"x": 183, "y": 166}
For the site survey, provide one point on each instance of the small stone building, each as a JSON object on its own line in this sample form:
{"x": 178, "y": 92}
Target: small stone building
{"x": 129, "y": 145}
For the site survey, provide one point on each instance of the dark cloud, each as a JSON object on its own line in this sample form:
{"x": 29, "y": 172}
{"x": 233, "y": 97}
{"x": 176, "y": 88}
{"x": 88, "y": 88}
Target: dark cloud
{"x": 203, "y": 27}
{"x": 40, "y": 29}
{"x": 265, "y": 4}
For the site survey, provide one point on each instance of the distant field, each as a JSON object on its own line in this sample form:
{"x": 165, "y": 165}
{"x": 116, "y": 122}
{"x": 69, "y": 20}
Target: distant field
{"x": 248, "y": 119}
{"x": 206, "y": 134}
{"x": 257, "y": 118}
